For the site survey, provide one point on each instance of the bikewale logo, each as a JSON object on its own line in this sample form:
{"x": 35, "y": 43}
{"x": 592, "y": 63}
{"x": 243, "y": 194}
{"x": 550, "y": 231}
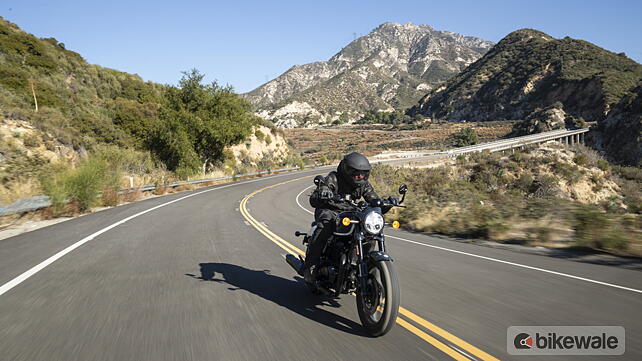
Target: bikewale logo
{"x": 565, "y": 340}
{"x": 523, "y": 341}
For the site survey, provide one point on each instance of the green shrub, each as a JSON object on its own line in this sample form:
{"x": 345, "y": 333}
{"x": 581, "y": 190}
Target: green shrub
{"x": 581, "y": 159}
{"x": 127, "y": 160}
{"x": 524, "y": 183}
{"x": 545, "y": 186}
{"x": 603, "y": 165}
{"x": 630, "y": 173}
{"x": 52, "y": 181}
{"x": 570, "y": 172}
{"x": 259, "y": 135}
{"x": 84, "y": 184}
{"x": 596, "y": 229}
{"x": 465, "y": 136}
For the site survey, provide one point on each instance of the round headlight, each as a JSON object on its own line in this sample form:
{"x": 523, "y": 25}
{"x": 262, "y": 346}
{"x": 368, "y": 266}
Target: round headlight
{"x": 374, "y": 223}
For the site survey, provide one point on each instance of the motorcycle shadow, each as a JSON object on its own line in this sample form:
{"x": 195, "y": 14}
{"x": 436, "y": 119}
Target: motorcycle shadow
{"x": 291, "y": 294}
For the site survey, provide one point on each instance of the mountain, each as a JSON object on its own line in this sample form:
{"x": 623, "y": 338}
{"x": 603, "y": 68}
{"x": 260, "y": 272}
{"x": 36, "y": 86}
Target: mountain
{"x": 545, "y": 81}
{"x": 620, "y": 134}
{"x": 389, "y": 68}
{"x": 529, "y": 70}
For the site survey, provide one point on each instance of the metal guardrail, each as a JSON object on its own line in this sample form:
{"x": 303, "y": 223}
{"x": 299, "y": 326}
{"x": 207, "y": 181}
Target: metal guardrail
{"x": 516, "y": 142}
{"x": 39, "y": 202}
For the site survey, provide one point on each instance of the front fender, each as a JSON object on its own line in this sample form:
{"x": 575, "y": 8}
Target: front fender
{"x": 379, "y": 256}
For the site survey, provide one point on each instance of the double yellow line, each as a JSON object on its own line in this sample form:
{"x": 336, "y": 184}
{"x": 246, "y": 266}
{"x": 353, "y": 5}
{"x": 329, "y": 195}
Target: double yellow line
{"x": 436, "y": 330}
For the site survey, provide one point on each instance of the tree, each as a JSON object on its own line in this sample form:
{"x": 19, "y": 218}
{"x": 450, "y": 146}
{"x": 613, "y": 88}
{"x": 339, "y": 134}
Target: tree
{"x": 197, "y": 122}
{"x": 465, "y": 136}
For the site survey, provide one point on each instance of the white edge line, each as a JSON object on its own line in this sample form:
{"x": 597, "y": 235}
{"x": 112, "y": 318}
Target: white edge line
{"x": 297, "y": 199}
{"x": 495, "y": 259}
{"x": 40, "y": 266}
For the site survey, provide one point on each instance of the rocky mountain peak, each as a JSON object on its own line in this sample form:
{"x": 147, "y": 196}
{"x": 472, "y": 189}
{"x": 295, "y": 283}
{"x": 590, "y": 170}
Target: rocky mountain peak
{"x": 389, "y": 68}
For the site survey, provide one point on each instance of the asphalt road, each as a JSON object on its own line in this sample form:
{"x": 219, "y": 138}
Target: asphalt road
{"x": 195, "y": 280}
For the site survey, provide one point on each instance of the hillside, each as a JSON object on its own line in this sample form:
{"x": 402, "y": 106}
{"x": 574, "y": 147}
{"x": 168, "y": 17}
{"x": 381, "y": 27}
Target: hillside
{"x": 57, "y": 108}
{"x": 528, "y": 70}
{"x": 620, "y": 134}
{"x": 389, "y": 68}
{"x": 553, "y": 196}
{"x": 546, "y": 81}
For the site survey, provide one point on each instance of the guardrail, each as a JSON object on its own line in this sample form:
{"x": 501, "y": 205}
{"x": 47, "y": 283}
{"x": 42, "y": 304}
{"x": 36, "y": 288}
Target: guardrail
{"x": 567, "y": 136}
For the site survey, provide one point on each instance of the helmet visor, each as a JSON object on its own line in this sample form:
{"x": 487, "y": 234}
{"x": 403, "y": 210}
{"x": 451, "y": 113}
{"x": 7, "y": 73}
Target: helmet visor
{"x": 358, "y": 175}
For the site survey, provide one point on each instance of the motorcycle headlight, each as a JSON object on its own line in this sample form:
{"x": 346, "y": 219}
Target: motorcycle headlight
{"x": 374, "y": 223}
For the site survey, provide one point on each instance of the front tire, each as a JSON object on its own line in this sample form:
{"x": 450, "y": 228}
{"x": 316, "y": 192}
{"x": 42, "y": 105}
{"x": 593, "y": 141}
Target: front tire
{"x": 378, "y": 305}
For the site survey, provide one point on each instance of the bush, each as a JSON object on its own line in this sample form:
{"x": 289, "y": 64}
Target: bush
{"x": 630, "y": 173}
{"x": 570, "y": 172}
{"x": 52, "y": 181}
{"x": 603, "y": 165}
{"x": 82, "y": 186}
{"x": 259, "y": 135}
{"x": 594, "y": 228}
{"x": 581, "y": 159}
{"x": 465, "y": 136}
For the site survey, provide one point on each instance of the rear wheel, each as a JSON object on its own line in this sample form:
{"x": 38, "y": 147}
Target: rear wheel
{"x": 378, "y": 304}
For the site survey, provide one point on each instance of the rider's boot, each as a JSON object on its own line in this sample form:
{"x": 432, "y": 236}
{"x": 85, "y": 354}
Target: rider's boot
{"x": 308, "y": 275}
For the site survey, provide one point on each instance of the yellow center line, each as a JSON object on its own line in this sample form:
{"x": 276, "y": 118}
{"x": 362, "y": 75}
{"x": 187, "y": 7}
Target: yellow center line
{"x": 447, "y": 335}
{"x": 431, "y": 340}
{"x": 288, "y": 247}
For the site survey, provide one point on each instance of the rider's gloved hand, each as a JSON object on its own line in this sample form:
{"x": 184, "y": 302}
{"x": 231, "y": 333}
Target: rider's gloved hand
{"x": 326, "y": 193}
{"x": 394, "y": 200}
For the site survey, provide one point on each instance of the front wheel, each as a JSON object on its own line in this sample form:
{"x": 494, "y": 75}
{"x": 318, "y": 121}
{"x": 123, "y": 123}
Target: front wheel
{"x": 378, "y": 304}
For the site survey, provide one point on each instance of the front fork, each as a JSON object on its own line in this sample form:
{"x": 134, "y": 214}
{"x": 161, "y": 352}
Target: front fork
{"x": 362, "y": 259}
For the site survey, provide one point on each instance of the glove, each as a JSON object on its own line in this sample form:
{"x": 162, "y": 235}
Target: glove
{"x": 393, "y": 200}
{"x": 325, "y": 193}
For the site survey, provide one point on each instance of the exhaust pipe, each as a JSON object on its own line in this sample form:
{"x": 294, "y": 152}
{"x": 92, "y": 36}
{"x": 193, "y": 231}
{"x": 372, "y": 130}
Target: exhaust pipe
{"x": 295, "y": 263}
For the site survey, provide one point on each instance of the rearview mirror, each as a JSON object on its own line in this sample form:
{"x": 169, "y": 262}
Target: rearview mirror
{"x": 403, "y": 189}
{"x": 318, "y": 180}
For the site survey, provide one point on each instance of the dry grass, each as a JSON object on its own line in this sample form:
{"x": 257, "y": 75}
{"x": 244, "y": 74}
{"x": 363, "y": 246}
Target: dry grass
{"x": 332, "y": 143}
{"x": 15, "y": 190}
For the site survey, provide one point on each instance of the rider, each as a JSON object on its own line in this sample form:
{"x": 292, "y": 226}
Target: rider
{"x": 350, "y": 178}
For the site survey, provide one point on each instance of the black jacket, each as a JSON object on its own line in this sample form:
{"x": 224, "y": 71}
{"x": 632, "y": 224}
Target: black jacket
{"x": 337, "y": 185}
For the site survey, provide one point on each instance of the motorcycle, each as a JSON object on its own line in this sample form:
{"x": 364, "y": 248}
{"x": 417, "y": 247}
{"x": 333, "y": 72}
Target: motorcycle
{"x": 355, "y": 261}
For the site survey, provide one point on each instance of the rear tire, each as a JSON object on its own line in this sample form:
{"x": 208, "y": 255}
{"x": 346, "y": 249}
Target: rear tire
{"x": 378, "y": 305}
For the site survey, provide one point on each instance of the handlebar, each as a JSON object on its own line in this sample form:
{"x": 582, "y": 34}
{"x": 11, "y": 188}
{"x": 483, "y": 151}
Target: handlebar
{"x": 380, "y": 202}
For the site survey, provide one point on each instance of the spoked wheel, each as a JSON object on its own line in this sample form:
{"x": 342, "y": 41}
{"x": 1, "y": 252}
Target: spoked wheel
{"x": 378, "y": 304}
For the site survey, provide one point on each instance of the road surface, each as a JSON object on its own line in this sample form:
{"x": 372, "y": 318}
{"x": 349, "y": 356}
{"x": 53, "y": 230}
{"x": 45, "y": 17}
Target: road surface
{"x": 201, "y": 276}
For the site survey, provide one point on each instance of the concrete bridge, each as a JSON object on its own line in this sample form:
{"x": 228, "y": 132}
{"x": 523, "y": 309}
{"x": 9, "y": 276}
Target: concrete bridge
{"x": 569, "y": 137}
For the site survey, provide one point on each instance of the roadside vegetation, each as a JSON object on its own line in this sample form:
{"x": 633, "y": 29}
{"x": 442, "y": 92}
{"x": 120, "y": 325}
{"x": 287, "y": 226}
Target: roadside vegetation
{"x": 552, "y": 196}
{"x": 465, "y": 137}
{"x": 77, "y": 131}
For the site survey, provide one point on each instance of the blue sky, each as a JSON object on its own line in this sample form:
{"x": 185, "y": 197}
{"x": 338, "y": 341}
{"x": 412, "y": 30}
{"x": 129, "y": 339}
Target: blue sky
{"x": 243, "y": 43}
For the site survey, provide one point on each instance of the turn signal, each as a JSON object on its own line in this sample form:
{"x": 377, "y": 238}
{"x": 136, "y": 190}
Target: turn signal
{"x": 396, "y": 224}
{"x": 345, "y": 221}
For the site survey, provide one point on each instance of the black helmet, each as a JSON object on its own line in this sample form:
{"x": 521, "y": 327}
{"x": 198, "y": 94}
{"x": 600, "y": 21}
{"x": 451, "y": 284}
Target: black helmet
{"x": 355, "y": 169}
